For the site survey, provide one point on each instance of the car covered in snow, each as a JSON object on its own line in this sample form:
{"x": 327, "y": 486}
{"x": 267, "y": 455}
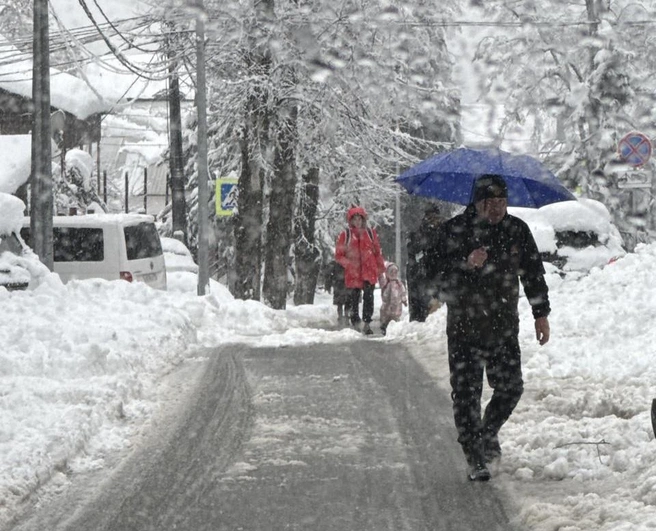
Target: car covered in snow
{"x": 177, "y": 256}
{"x": 573, "y": 236}
{"x": 20, "y": 267}
{"x": 13, "y": 276}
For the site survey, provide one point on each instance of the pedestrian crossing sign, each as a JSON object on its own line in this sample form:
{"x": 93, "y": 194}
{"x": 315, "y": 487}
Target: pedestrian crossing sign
{"x": 226, "y": 196}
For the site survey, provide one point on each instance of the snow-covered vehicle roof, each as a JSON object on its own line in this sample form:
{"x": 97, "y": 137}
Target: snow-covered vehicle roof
{"x": 574, "y": 235}
{"x": 177, "y": 256}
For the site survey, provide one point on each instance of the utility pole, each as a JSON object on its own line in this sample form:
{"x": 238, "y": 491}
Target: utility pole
{"x": 176, "y": 169}
{"x": 397, "y": 230}
{"x": 203, "y": 191}
{"x": 41, "y": 207}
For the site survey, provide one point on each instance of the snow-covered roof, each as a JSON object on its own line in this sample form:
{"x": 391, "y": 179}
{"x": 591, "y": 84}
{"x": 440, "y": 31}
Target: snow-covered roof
{"x": 101, "y": 219}
{"x": 116, "y": 83}
{"x": 582, "y": 215}
{"x": 67, "y": 92}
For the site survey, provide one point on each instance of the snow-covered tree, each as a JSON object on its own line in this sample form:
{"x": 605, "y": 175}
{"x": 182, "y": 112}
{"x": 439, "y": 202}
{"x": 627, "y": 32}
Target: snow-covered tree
{"x": 16, "y": 21}
{"x": 361, "y": 88}
{"x": 569, "y": 67}
{"x": 73, "y": 188}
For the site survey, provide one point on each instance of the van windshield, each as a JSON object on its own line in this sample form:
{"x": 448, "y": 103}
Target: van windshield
{"x": 142, "y": 241}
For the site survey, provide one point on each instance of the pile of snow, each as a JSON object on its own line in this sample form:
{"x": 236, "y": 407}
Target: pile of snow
{"x": 578, "y": 451}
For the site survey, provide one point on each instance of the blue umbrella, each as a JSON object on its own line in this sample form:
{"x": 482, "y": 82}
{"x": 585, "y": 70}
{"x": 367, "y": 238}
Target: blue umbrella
{"x": 450, "y": 177}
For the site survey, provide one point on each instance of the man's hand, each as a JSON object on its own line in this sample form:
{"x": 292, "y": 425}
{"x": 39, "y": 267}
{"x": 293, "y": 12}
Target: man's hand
{"x": 433, "y": 305}
{"x": 477, "y": 258}
{"x": 542, "y": 330}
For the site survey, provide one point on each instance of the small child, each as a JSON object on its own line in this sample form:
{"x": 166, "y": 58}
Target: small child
{"x": 393, "y": 295}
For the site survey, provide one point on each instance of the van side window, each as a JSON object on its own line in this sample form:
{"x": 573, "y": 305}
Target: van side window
{"x": 73, "y": 244}
{"x": 142, "y": 241}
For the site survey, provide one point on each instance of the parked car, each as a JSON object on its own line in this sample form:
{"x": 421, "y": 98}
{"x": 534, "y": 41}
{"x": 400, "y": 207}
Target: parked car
{"x": 574, "y": 236}
{"x": 177, "y": 256}
{"x": 20, "y": 267}
{"x": 12, "y": 275}
{"x": 109, "y": 246}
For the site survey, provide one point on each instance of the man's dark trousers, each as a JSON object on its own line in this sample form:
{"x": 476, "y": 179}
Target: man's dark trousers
{"x": 417, "y": 300}
{"x": 502, "y": 364}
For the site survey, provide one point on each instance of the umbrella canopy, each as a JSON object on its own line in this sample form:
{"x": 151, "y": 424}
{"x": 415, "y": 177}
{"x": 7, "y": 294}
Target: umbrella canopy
{"x": 450, "y": 177}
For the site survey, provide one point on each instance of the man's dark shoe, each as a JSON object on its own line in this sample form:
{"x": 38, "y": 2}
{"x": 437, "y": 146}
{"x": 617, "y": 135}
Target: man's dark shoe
{"x": 476, "y": 460}
{"x": 479, "y": 472}
{"x": 367, "y": 329}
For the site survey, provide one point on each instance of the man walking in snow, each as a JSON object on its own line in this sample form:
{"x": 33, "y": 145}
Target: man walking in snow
{"x": 477, "y": 261}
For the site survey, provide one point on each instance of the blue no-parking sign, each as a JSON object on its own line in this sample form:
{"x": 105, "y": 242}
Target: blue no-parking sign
{"x": 635, "y": 149}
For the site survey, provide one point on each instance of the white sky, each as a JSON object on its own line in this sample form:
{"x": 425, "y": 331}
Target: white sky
{"x": 482, "y": 117}
{"x": 72, "y": 14}
{"x": 62, "y": 382}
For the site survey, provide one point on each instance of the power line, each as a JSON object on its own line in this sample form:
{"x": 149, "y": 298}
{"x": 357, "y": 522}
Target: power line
{"x": 95, "y": 32}
{"x": 117, "y": 53}
{"x": 130, "y": 43}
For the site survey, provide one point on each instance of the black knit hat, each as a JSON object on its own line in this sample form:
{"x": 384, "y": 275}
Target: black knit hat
{"x": 489, "y": 186}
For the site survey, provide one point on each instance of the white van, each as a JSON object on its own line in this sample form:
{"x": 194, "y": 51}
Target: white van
{"x": 109, "y": 246}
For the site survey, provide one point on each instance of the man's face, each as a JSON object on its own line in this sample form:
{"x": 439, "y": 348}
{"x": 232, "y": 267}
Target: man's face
{"x": 432, "y": 219}
{"x": 493, "y": 209}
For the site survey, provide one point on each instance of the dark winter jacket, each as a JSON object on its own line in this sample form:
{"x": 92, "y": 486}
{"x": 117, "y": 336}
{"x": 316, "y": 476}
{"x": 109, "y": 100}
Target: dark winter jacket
{"x": 482, "y": 303}
{"x": 334, "y": 280}
{"x": 420, "y": 244}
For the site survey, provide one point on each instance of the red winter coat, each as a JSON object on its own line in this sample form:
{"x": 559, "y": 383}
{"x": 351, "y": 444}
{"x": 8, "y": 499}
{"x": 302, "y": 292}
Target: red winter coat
{"x": 358, "y": 252}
